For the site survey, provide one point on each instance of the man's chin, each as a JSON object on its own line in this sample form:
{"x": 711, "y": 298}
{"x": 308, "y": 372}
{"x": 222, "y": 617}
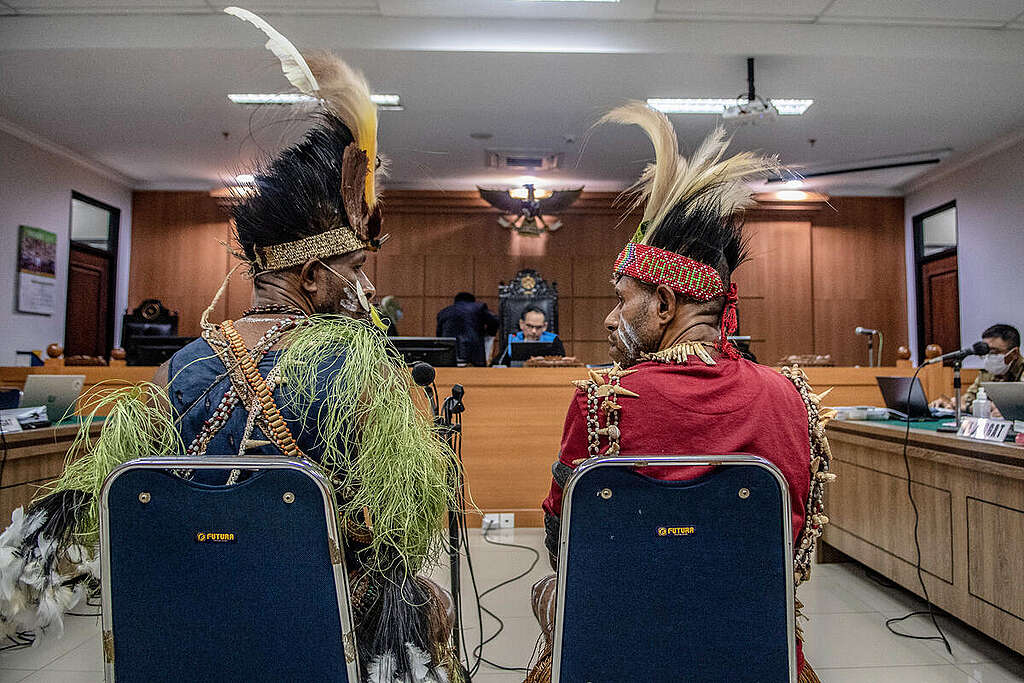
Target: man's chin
{"x": 616, "y": 355}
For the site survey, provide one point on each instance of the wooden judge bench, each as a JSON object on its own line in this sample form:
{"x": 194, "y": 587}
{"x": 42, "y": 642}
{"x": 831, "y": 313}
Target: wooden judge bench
{"x": 970, "y": 495}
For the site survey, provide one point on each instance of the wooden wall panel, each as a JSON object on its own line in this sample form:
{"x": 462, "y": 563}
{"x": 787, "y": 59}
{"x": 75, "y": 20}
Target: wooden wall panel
{"x": 177, "y": 254}
{"x": 779, "y": 271}
{"x": 813, "y": 277}
{"x": 588, "y": 318}
{"x": 445, "y": 274}
{"x": 859, "y": 277}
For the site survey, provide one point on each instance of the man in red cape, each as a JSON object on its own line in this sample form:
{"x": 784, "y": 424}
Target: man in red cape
{"x": 678, "y": 386}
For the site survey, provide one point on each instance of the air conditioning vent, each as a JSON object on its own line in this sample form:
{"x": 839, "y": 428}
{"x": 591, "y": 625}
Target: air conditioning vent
{"x": 523, "y": 160}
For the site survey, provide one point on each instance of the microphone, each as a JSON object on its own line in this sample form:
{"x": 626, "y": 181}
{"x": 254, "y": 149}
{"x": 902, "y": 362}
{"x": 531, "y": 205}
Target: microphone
{"x": 977, "y": 349}
{"x": 864, "y": 330}
{"x": 423, "y": 373}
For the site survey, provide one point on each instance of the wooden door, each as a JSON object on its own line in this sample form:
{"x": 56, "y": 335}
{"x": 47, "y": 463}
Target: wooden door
{"x": 940, "y": 297}
{"x": 88, "y": 322}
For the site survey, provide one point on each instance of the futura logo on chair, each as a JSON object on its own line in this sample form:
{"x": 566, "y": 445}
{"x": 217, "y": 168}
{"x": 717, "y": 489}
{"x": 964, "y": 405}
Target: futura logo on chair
{"x": 210, "y": 537}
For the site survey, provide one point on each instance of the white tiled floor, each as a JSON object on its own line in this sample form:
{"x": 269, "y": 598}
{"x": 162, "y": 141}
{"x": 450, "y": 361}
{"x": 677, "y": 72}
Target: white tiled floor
{"x": 847, "y": 641}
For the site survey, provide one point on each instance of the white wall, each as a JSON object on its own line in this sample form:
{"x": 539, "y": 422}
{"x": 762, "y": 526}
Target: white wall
{"x": 35, "y": 189}
{"x": 989, "y": 196}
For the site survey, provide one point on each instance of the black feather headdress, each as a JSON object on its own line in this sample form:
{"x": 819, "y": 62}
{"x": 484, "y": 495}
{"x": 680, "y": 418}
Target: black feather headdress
{"x": 693, "y": 207}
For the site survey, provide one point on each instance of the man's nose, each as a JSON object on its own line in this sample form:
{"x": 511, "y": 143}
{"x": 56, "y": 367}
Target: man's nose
{"x": 611, "y": 322}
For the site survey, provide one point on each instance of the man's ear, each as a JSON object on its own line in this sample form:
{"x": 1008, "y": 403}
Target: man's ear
{"x": 665, "y": 300}
{"x": 1013, "y": 355}
{"x": 308, "y": 275}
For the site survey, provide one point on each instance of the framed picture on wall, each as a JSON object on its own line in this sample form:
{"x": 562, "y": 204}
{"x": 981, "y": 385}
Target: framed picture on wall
{"x": 37, "y": 270}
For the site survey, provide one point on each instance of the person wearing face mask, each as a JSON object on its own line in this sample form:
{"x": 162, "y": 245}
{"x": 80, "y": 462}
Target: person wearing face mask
{"x": 306, "y": 372}
{"x": 678, "y": 386}
{"x": 1002, "y": 364}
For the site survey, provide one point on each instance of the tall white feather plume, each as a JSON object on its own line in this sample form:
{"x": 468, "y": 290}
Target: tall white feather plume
{"x": 673, "y": 178}
{"x": 292, "y": 62}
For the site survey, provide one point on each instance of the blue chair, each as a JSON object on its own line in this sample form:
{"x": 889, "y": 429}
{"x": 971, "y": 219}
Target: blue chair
{"x": 223, "y": 583}
{"x": 675, "y": 580}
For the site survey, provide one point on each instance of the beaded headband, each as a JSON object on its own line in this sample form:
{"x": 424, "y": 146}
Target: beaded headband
{"x": 323, "y": 245}
{"x": 660, "y": 267}
{"x": 695, "y": 279}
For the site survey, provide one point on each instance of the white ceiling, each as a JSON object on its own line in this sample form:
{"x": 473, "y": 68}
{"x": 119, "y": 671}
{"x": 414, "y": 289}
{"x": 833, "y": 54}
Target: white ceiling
{"x": 140, "y": 87}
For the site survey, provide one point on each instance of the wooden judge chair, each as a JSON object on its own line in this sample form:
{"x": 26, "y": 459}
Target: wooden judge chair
{"x": 223, "y": 583}
{"x": 149, "y": 319}
{"x": 675, "y": 580}
{"x": 527, "y": 288}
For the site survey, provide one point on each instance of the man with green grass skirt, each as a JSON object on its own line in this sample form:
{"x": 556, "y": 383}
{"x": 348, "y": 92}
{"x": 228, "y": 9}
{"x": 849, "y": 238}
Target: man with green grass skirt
{"x": 306, "y": 372}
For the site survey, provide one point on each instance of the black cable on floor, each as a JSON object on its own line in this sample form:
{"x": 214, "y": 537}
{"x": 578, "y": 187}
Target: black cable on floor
{"x": 917, "y": 540}
{"x": 916, "y": 613}
{"x": 478, "y": 652}
{"x": 880, "y": 580}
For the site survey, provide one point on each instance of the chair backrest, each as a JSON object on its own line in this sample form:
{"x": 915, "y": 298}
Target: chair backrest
{"x": 527, "y": 288}
{"x": 216, "y": 583}
{"x": 675, "y": 580}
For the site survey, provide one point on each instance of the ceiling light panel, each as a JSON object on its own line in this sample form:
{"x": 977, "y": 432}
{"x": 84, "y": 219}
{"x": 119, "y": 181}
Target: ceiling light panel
{"x": 712, "y": 105}
{"x": 383, "y": 100}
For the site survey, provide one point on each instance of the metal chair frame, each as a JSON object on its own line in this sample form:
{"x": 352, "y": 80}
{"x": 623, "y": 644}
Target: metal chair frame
{"x": 252, "y": 462}
{"x": 672, "y": 460}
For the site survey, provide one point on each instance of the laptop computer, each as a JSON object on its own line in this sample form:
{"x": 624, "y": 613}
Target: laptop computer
{"x": 57, "y": 393}
{"x": 525, "y": 350}
{"x": 895, "y": 391}
{"x": 1008, "y": 397}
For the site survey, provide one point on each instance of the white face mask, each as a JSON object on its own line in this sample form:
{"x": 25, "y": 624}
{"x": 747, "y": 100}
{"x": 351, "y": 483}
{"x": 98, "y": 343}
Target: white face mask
{"x": 995, "y": 363}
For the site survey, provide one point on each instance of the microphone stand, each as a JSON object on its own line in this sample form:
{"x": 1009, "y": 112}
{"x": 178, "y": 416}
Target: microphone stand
{"x": 871, "y": 350}
{"x": 956, "y": 392}
{"x": 450, "y": 424}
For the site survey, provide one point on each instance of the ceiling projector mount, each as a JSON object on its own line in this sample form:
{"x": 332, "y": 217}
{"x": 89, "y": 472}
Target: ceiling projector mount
{"x": 750, "y": 108}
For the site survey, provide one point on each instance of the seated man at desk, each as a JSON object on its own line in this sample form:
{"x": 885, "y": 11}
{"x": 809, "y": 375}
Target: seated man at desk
{"x": 533, "y": 327}
{"x": 1002, "y": 364}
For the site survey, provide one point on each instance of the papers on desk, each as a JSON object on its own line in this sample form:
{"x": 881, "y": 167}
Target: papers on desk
{"x": 16, "y": 419}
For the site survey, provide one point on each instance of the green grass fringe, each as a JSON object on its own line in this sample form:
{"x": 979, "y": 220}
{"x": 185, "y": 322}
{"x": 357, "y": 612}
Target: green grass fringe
{"x": 375, "y": 441}
{"x": 138, "y": 425}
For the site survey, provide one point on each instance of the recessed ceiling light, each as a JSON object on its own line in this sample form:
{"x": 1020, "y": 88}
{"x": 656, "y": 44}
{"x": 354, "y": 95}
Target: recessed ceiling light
{"x": 245, "y": 178}
{"x": 792, "y": 195}
{"x": 717, "y": 105}
{"x": 389, "y": 102}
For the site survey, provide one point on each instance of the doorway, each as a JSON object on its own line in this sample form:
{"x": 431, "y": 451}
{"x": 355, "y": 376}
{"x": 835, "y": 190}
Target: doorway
{"x": 938, "y": 283}
{"x": 92, "y": 268}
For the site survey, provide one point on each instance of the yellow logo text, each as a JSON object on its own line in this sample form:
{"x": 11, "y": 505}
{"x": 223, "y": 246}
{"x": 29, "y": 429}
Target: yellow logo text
{"x": 210, "y": 537}
{"x": 675, "y": 530}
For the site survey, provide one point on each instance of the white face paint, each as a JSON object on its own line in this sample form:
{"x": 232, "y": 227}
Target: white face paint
{"x": 355, "y": 300}
{"x": 629, "y": 338}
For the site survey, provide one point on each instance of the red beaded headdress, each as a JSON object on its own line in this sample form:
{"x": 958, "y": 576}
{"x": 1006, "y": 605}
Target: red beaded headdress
{"x": 691, "y": 235}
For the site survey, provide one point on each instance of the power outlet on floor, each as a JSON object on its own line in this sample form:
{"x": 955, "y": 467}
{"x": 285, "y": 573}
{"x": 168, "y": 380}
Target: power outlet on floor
{"x": 491, "y": 521}
{"x": 508, "y": 520}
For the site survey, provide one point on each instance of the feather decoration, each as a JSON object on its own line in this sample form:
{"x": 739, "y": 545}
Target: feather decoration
{"x": 292, "y": 63}
{"x": 672, "y": 180}
{"x": 346, "y": 94}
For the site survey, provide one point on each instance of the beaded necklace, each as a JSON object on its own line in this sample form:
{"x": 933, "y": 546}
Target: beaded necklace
{"x": 231, "y": 398}
{"x": 273, "y": 308}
